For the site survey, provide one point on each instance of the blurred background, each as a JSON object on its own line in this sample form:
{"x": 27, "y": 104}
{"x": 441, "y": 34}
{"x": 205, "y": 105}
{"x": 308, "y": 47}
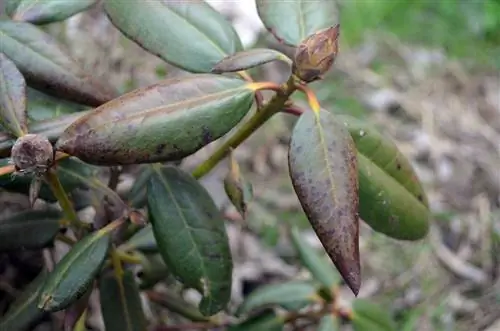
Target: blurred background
{"x": 427, "y": 73}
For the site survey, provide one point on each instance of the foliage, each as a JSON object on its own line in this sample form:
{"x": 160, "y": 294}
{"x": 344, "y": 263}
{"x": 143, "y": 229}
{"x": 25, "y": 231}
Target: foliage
{"x": 343, "y": 171}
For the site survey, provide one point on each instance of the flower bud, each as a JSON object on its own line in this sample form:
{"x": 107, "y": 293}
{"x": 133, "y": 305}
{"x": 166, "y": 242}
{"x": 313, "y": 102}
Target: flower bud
{"x": 316, "y": 54}
{"x": 32, "y": 153}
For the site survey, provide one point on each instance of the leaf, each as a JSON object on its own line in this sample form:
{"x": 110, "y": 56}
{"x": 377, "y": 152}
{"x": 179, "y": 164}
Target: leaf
{"x": 46, "y": 66}
{"x": 368, "y": 316}
{"x": 267, "y": 321}
{"x": 321, "y": 269}
{"x": 143, "y": 240}
{"x": 188, "y": 34}
{"x": 163, "y": 122}
{"x": 137, "y": 196}
{"x": 191, "y": 236}
{"x": 392, "y": 200}
{"x": 238, "y": 190}
{"x": 328, "y": 323}
{"x": 29, "y": 229}
{"x": 24, "y": 311}
{"x": 42, "y": 106}
{"x": 121, "y": 304}
{"x": 153, "y": 270}
{"x": 48, "y": 11}
{"x": 75, "y": 273}
{"x": 323, "y": 168}
{"x": 12, "y": 98}
{"x": 292, "y": 292}
{"x": 293, "y": 21}
{"x": 248, "y": 59}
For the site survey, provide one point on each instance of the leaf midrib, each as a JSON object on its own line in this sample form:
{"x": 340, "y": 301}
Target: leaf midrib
{"x": 325, "y": 154}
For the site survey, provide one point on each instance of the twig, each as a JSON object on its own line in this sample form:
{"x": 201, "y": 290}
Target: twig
{"x": 178, "y": 305}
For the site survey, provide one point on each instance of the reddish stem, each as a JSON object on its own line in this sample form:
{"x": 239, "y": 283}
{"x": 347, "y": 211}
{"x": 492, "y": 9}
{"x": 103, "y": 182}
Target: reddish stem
{"x": 293, "y": 110}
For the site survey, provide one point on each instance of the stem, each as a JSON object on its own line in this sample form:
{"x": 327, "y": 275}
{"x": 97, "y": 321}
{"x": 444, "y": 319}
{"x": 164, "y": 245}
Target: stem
{"x": 64, "y": 202}
{"x": 293, "y": 110}
{"x": 117, "y": 263}
{"x": 177, "y": 305}
{"x": 246, "y": 130}
{"x": 311, "y": 97}
{"x": 128, "y": 258}
{"x": 65, "y": 239}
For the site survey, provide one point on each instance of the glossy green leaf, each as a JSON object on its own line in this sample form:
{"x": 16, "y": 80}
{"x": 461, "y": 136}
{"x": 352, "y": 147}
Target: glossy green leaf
{"x": 41, "y": 106}
{"x": 75, "y": 273}
{"x": 392, "y": 200}
{"x": 24, "y": 311}
{"x": 163, "y": 122}
{"x": 191, "y": 236}
{"x": 29, "y": 229}
{"x": 292, "y": 292}
{"x": 143, "y": 240}
{"x": 238, "y": 189}
{"x": 369, "y": 316}
{"x": 121, "y": 304}
{"x": 248, "y": 59}
{"x": 323, "y": 168}
{"x": 267, "y": 321}
{"x": 48, "y": 11}
{"x": 12, "y": 98}
{"x": 321, "y": 269}
{"x": 188, "y": 34}
{"x": 293, "y": 21}
{"x": 46, "y": 66}
{"x": 328, "y": 323}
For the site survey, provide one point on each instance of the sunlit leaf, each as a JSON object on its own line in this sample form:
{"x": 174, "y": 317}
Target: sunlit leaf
{"x": 163, "y": 122}
{"x": 267, "y": 321}
{"x": 321, "y": 269}
{"x": 191, "y": 236}
{"x": 297, "y": 293}
{"x": 48, "y": 11}
{"x": 188, "y": 34}
{"x": 293, "y": 21}
{"x": 46, "y": 66}
{"x": 121, "y": 304}
{"x": 369, "y": 316}
{"x": 323, "y": 169}
{"x": 24, "y": 311}
{"x": 248, "y": 59}
{"x": 29, "y": 229}
{"x": 12, "y": 98}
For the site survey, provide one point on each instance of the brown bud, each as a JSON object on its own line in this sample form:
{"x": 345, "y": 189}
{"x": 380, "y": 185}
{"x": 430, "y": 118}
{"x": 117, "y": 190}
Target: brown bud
{"x": 32, "y": 154}
{"x": 316, "y": 54}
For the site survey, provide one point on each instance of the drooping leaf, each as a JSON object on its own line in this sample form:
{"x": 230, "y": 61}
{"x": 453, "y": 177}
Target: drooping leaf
{"x": 369, "y": 316}
{"x": 48, "y": 11}
{"x": 191, "y": 236}
{"x": 75, "y": 273}
{"x": 248, "y": 59}
{"x": 328, "y": 323}
{"x": 323, "y": 168}
{"x": 267, "y": 321}
{"x": 46, "y": 66}
{"x": 163, "y": 122}
{"x": 293, "y": 21}
{"x": 321, "y": 269}
{"x": 392, "y": 200}
{"x": 24, "y": 311}
{"x": 121, "y": 304}
{"x": 188, "y": 34}
{"x": 237, "y": 188}
{"x": 29, "y": 229}
{"x": 42, "y": 106}
{"x": 297, "y": 292}
{"x": 143, "y": 240}
{"x": 12, "y": 98}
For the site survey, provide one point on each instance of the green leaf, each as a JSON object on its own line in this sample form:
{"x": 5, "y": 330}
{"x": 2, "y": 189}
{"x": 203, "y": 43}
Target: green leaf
{"x": 267, "y": 321}
{"x": 323, "y": 168}
{"x": 188, "y": 34}
{"x": 191, "y": 236}
{"x": 238, "y": 189}
{"x": 368, "y": 316}
{"x": 46, "y": 67}
{"x": 143, "y": 240}
{"x": 293, "y": 21}
{"x": 153, "y": 270}
{"x": 321, "y": 269}
{"x": 29, "y": 229}
{"x": 42, "y": 106}
{"x": 392, "y": 200}
{"x": 48, "y": 11}
{"x": 137, "y": 196}
{"x": 12, "y": 98}
{"x": 163, "y": 122}
{"x": 75, "y": 273}
{"x": 121, "y": 304}
{"x": 328, "y": 323}
{"x": 294, "y": 292}
{"x": 248, "y": 59}
{"x": 24, "y": 311}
